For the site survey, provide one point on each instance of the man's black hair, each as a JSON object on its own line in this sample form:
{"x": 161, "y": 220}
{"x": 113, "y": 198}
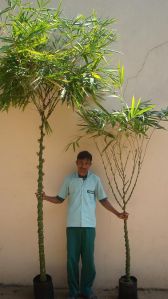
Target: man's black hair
{"x": 84, "y": 155}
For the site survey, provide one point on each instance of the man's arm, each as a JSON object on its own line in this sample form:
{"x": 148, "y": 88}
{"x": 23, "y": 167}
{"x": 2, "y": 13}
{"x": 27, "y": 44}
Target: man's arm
{"x": 106, "y": 204}
{"x": 53, "y": 199}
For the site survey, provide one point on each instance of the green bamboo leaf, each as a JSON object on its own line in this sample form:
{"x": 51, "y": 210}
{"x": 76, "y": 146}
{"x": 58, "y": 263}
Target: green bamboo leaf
{"x": 138, "y": 104}
{"x": 5, "y": 48}
{"x": 142, "y": 111}
{"x": 6, "y": 39}
{"x": 5, "y": 10}
{"x": 132, "y": 106}
{"x": 96, "y": 76}
{"x": 122, "y": 72}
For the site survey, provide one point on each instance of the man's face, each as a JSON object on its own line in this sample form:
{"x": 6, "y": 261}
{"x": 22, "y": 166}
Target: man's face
{"x": 83, "y": 166}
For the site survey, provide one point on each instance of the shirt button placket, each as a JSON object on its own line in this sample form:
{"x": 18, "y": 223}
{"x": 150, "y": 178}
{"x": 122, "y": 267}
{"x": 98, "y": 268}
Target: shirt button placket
{"x": 82, "y": 203}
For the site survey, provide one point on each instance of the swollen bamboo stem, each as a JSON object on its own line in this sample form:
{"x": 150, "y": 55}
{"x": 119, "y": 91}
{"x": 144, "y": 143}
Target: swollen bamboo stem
{"x": 40, "y": 202}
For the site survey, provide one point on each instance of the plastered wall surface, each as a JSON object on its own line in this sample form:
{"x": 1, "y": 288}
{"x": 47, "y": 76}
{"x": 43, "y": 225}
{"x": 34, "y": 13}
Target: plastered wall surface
{"x": 142, "y": 26}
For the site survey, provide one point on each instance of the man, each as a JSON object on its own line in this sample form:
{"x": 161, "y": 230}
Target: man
{"x": 82, "y": 189}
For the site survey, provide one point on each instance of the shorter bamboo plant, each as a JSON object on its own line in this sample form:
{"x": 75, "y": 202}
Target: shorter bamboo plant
{"x": 121, "y": 138}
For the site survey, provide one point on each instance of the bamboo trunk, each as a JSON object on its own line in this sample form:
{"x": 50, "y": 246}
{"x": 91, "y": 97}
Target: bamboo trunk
{"x": 40, "y": 202}
{"x": 127, "y": 252}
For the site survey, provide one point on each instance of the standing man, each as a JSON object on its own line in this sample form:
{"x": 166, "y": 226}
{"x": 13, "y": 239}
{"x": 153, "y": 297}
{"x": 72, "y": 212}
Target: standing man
{"x": 82, "y": 189}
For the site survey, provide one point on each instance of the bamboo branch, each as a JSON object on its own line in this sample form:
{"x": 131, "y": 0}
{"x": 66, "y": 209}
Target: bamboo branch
{"x": 109, "y": 182}
{"x": 113, "y": 174}
{"x": 139, "y": 168}
{"x": 116, "y": 162}
{"x": 133, "y": 171}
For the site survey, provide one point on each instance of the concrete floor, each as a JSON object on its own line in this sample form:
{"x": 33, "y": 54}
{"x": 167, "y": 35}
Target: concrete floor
{"x": 20, "y": 292}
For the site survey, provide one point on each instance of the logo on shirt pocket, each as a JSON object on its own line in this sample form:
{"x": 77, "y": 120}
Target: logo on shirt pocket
{"x": 90, "y": 191}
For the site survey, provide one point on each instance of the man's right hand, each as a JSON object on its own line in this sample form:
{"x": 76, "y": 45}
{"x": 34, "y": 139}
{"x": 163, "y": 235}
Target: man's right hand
{"x": 43, "y": 195}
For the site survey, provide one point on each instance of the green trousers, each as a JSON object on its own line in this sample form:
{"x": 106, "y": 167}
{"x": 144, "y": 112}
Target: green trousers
{"x": 80, "y": 243}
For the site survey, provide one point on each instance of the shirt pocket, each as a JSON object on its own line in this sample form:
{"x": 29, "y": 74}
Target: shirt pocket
{"x": 90, "y": 194}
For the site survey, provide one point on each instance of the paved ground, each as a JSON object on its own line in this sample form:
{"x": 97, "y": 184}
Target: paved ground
{"x": 16, "y": 292}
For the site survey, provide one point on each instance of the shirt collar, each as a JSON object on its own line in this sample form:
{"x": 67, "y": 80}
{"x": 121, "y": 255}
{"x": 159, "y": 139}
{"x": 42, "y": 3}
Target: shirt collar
{"x": 82, "y": 177}
{"x": 78, "y": 176}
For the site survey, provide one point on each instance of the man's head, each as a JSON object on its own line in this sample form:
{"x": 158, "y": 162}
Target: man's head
{"x": 84, "y": 161}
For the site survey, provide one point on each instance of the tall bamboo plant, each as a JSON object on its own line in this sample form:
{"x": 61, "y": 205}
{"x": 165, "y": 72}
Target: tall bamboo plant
{"x": 121, "y": 138}
{"x": 45, "y": 59}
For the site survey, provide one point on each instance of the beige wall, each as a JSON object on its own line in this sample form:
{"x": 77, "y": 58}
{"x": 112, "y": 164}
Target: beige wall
{"x": 143, "y": 27}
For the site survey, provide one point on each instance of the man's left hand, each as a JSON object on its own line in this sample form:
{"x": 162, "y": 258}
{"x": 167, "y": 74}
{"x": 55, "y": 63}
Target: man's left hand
{"x": 123, "y": 215}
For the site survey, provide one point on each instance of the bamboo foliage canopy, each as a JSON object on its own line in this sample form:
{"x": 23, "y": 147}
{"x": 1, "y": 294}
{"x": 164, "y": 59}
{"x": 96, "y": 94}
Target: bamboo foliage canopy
{"x": 46, "y": 58}
{"x": 137, "y": 118}
{"x": 121, "y": 138}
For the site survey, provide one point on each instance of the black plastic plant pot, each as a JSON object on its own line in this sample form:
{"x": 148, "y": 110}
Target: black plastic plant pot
{"x": 128, "y": 289}
{"x": 43, "y": 289}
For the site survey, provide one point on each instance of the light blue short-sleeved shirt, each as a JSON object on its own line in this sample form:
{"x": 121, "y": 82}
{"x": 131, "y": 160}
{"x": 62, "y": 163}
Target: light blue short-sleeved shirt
{"x": 82, "y": 195}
